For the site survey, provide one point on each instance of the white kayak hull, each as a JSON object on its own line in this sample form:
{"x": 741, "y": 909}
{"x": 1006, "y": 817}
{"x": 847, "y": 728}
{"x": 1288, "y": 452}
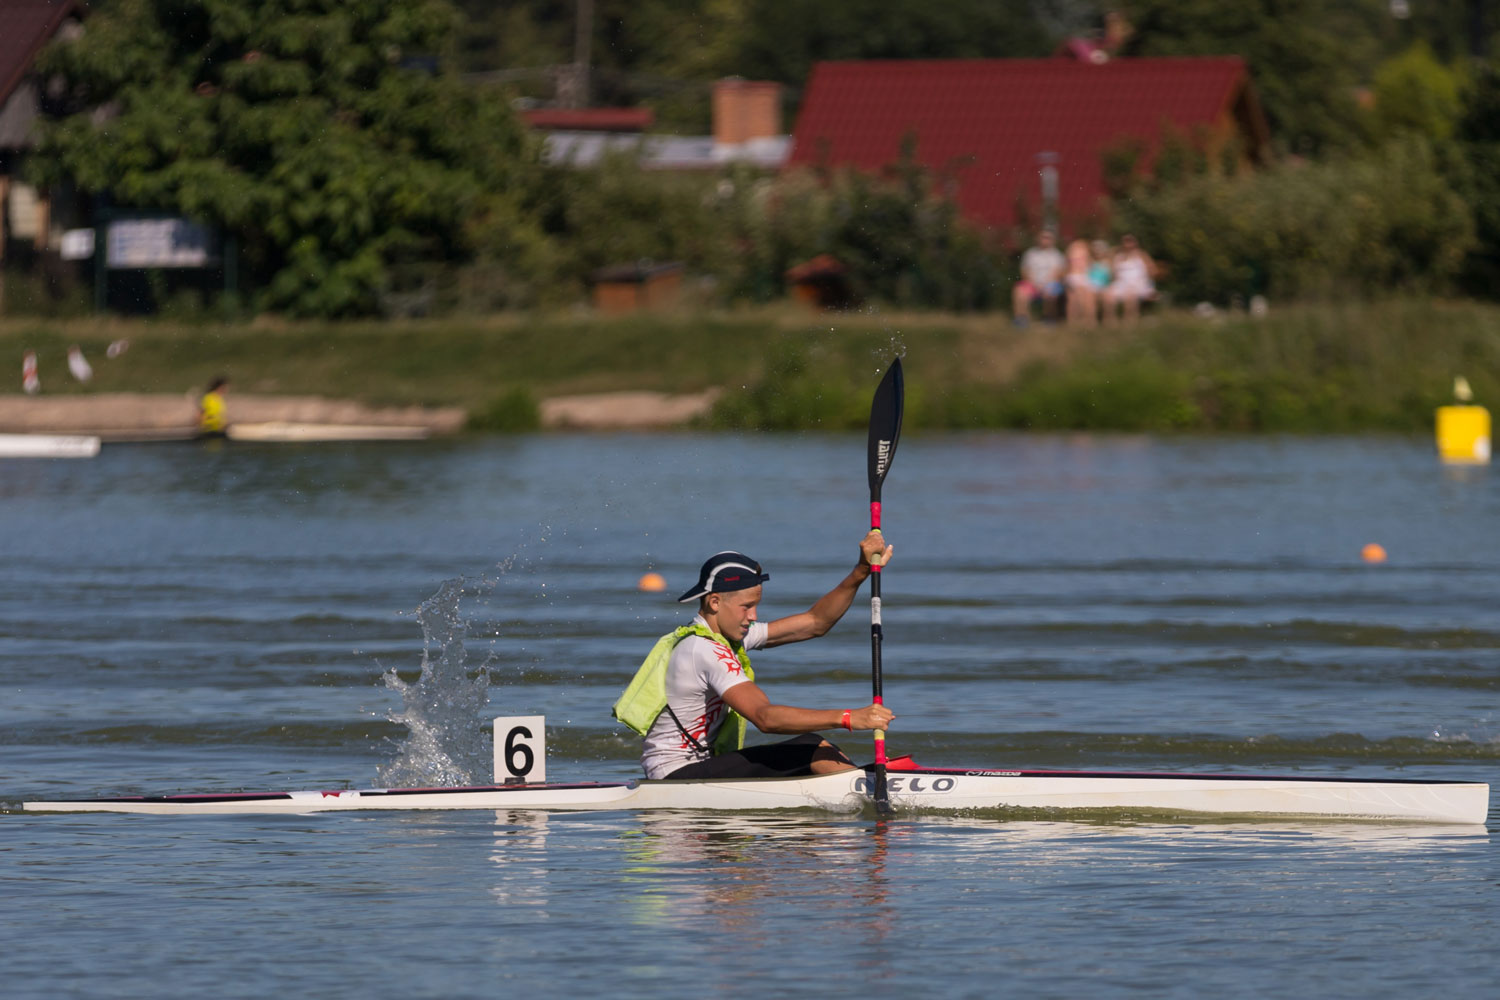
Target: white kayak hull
{"x": 922, "y": 789}
{"x": 287, "y": 431}
{"x": 48, "y": 445}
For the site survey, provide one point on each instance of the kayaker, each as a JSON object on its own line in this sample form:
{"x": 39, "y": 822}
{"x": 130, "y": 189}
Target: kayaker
{"x": 212, "y": 419}
{"x": 691, "y": 697}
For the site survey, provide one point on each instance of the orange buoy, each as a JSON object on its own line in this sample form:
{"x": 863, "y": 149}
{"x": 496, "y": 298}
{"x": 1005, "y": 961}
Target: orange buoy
{"x": 1373, "y": 553}
{"x": 652, "y": 583}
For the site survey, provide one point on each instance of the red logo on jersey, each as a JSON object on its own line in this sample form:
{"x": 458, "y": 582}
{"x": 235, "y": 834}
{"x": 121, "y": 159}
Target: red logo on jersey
{"x": 726, "y": 656}
{"x": 699, "y": 727}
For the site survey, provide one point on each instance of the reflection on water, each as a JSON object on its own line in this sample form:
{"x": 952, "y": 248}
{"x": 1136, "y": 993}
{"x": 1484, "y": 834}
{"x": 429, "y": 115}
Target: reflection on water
{"x": 521, "y": 860}
{"x": 724, "y": 872}
{"x": 738, "y": 874}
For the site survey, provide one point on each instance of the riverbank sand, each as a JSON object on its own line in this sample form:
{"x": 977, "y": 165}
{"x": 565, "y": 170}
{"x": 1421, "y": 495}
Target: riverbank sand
{"x": 135, "y": 415}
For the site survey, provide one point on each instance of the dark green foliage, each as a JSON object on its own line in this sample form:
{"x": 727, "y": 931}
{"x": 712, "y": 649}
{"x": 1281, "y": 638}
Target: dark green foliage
{"x": 905, "y": 245}
{"x": 794, "y": 394}
{"x": 514, "y": 411}
{"x": 1304, "y": 57}
{"x": 315, "y": 130}
{"x": 1365, "y": 224}
{"x": 1382, "y": 367}
{"x": 667, "y": 53}
{"x": 1324, "y": 370}
{"x": 1127, "y": 394}
{"x": 1414, "y": 92}
{"x": 1478, "y": 145}
{"x": 617, "y": 213}
{"x": 900, "y": 242}
{"x": 781, "y": 39}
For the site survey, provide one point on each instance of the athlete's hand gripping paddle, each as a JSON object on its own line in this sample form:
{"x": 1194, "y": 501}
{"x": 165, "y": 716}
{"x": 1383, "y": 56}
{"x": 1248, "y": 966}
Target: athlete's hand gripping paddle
{"x": 885, "y": 431}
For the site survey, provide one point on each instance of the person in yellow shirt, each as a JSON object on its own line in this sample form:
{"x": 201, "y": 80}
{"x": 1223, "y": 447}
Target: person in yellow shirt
{"x": 212, "y": 420}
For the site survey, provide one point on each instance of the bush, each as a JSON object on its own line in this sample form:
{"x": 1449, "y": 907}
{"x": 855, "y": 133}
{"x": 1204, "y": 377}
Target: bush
{"x": 512, "y": 412}
{"x": 1367, "y": 225}
{"x": 900, "y": 241}
{"x": 791, "y": 396}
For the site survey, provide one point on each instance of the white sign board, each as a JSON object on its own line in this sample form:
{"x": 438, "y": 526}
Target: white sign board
{"x": 134, "y": 243}
{"x": 521, "y": 749}
{"x": 77, "y": 244}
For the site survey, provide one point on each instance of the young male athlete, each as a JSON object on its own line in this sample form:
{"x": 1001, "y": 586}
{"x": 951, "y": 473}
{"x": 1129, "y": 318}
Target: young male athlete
{"x": 691, "y": 697}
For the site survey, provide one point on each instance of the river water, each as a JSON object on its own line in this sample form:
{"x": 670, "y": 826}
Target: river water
{"x": 202, "y": 618}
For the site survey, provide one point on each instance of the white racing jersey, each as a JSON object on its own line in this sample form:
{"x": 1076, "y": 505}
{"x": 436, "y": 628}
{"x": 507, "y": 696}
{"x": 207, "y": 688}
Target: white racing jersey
{"x": 698, "y": 674}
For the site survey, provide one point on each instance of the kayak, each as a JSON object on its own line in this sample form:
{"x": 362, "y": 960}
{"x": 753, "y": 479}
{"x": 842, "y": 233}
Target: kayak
{"x": 910, "y": 788}
{"x": 48, "y": 445}
{"x": 287, "y": 431}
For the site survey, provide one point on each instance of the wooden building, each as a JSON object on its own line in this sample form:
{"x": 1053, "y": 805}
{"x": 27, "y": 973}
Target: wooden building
{"x": 643, "y": 285}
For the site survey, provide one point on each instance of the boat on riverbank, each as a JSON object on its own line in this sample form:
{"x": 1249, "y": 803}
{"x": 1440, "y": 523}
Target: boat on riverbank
{"x": 292, "y": 432}
{"x": 48, "y": 445}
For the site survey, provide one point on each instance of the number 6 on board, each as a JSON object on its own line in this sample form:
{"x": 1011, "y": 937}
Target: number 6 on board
{"x": 521, "y": 749}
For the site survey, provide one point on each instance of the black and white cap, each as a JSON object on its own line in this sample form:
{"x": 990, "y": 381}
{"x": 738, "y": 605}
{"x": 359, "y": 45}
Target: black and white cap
{"x": 725, "y": 572}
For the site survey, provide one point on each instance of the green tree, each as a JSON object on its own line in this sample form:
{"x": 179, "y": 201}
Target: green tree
{"x": 1478, "y": 137}
{"x": 1303, "y": 56}
{"x": 781, "y": 39}
{"x": 663, "y": 54}
{"x": 323, "y": 133}
{"x": 666, "y": 53}
{"x": 1368, "y": 224}
{"x": 1416, "y": 93}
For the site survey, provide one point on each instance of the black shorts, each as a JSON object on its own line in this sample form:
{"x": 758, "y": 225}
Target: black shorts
{"x": 772, "y": 760}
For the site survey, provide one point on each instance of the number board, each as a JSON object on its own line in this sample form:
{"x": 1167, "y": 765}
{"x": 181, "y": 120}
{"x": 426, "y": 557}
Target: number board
{"x": 521, "y": 749}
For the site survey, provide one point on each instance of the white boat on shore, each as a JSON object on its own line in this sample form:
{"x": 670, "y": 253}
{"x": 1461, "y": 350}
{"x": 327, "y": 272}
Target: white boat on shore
{"x": 916, "y": 789}
{"x": 48, "y": 445}
{"x": 285, "y": 431}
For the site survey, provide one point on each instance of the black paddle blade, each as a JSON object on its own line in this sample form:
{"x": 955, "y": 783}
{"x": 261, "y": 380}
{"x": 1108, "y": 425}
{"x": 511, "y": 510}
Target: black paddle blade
{"x": 885, "y": 424}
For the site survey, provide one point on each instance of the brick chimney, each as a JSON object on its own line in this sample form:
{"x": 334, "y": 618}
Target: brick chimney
{"x": 746, "y": 110}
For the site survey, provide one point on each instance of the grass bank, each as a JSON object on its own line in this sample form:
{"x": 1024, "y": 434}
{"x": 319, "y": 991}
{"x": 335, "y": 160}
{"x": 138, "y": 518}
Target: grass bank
{"x": 1366, "y": 366}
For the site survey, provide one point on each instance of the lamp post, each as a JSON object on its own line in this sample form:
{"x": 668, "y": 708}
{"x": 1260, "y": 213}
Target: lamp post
{"x": 1047, "y": 173}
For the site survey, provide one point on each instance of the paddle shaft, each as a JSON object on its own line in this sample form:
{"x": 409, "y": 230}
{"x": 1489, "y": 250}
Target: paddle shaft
{"x": 885, "y": 432}
{"x": 876, "y": 635}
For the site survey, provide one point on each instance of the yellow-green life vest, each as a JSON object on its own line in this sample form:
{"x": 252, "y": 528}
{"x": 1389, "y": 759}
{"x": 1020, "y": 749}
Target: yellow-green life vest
{"x": 646, "y": 696}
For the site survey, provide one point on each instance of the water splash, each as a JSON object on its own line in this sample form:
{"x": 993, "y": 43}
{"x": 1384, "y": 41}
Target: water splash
{"x": 447, "y": 744}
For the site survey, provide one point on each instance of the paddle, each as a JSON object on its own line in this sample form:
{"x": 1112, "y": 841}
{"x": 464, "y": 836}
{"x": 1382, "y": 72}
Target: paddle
{"x": 885, "y": 431}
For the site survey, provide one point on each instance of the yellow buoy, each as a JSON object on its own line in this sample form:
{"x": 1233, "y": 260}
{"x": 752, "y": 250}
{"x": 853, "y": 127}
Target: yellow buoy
{"x": 1463, "y": 434}
{"x": 652, "y": 583}
{"x": 1373, "y": 553}
{"x": 1463, "y": 431}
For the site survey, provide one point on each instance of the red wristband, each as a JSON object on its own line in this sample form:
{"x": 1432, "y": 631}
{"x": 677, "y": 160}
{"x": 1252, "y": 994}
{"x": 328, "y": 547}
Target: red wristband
{"x": 845, "y": 721}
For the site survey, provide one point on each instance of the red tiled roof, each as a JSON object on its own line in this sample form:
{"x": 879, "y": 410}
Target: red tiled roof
{"x": 987, "y": 119}
{"x": 590, "y": 119}
{"x": 25, "y": 26}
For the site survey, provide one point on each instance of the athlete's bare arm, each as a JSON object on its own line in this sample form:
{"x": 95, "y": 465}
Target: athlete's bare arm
{"x": 818, "y": 619}
{"x": 750, "y": 701}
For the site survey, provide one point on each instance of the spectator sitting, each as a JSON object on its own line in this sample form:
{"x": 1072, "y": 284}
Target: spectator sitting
{"x": 1042, "y": 269}
{"x": 1100, "y": 275}
{"x": 1134, "y": 271}
{"x": 1099, "y": 271}
{"x": 1083, "y": 309}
